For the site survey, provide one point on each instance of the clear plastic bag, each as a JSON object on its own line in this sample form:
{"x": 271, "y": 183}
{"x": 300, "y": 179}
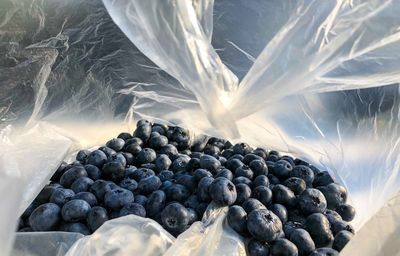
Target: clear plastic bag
{"x": 318, "y": 80}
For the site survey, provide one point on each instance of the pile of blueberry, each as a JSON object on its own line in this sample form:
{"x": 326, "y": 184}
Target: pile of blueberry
{"x": 281, "y": 205}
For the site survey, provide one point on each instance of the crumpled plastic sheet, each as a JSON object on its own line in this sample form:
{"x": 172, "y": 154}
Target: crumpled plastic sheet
{"x": 318, "y": 80}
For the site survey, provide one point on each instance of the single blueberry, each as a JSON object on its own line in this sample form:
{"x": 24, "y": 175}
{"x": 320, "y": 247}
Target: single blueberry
{"x": 260, "y": 152}
{"x": 169, "y": 150}
{"x": 101, "y": 187}
{"x": 133, "y": 208}
{"x": 45, "y": 193}
{"x": 140, "y": 199}
{"x": 332, "y": 216}
{"x": 175, "y": 217}
{"x": 241, "y": 148}
{"x": 324, "y": 251}
{"x": 165, "y": 184}
{"x": 237, "y": 219}
{"x": 129, "y": 158}
{"x": 295, "y": 215}
{"x": 45, "y": 217}
{"x": 124, "y": 136}
{"x": 180, "y": 163}
{"x": 76, "y": 227}
{"x": 177, "y": 192}
{"x": 297, "y": 185}
{"x": 149, "y": 184}
{"x": 263, "y": 225}
{"x": 155, "y": 203}
{"x": 165, "y": 175}
{"x": 250, "y": 157}
{"x": 298, "y": 161}
{"x": 272, "y": 158}
{"x": 258, "y": 167}
{"x": 314, "y": 169}
{"x": 147, "y": 155}
{"x": 114, "y": 171}
{"x": 335, "y": 195}
{"x": 273, "y": 180}
{"x": 188, "y": 181}
{"x": 347, "y": 212}
{"x": 282, "y": 169}
{"x": 303, "y": 241}
{"x": 97, "y": 158}
{"x": 93, "y": 171}
{"x": 243, "y": 193}
{"x": 211, "y": 150}
{"x": 96, "y": 217}
{"x": 82, "y": 155}
{"x": 288, "y": 159}
{"x": 141, "y": 173}
{"x": 210, "y": 163}
{"x": 242, "y": 180}
{"x": 130, "y": 171}
{"x": 142, "y": 122}
{"x": 134, "y": 141}
{"x": 312, "y": 201}
{"x": 75, "y": 210}
{"x": 283, "y": 195}
{"x": 82, "y": 184}
{"x": 119, "y": 157}
{"x": 117, "y": 198}
{"x": 148, "y": 166}
{"x": 261, "y": 180}
{"x": 233, "y": 163}
{"x": 143, "y": 132}
{"x": 341, "y": 239}
{"x": 252, "y": 204}
{"x": 262, "y": 194}
{"x": 340, "y": 225}
{"x": 203, "y": 189}
{"x": 322, "y": 179}
{"x": 193, "y": 164}
{"x": 159, "y": 129}
{"x": 290, "y": 226}
{"x": 283, "y": 247}
{"x": 129, "y": 184}
{"x": 71, "y": 175}
{"x": 162, "y": 162}
{"x": 227, "y": 153}
{"x": 319, "y": 228}
{"x": 226, "y": 173}
{"x": 116, "y": 144}
{"x": 279, "y": 211}
{"x": 133, "y": 149}
{"x": 201, "y": 173}
{"x": 223, "y": 192}
{"x": 303, "y": 172}
{"x": 61, "y": 195}
{"x": 244, "y": 171}
{"x": 86, "y": 196}
{"x": 257, "y": 248}
{"x": 158, "y": 142}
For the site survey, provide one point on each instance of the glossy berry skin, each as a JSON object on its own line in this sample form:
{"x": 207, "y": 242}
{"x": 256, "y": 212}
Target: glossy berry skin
{"x": 264, "y": 225}
{"x": 241, "y": 148}
{"x": 233, "y": 163}
{"x": 162, "y": 162}
{"x": 257, "y": 248}
{"x": 346, "y": 211}
{"x": 193, "y": 216}
{"x": 46, "y": 192}
{"x": 303, "y": 241}
{"x": 335, "y": 195}
{"x": 279, "y": 211}
{"x": 169, "y": 150}
{"x": 82, "y": 155}
{"x": 118, "y": 198}
{"x": 332, "y": 216}
{"x": 303, "y": 172}
{"x": 82, "y": 184}
{"x": 147, "y": 155}
{"x": 283, "y": 195}
{"x": 312, "y": 201}
{"x": 297, "y": 185}
{"x": 45, "y": 217}
{"x": 140, "y": 199}
{"x": 261, "y": 180}
{"x": 113, "y": 170}
{"x": 340, "y": 225}
{"x": 283, "y": 247}
{"x": 133, "y": 208}
{"x": 165, "y": 175}
{"x": 188, "y": 181}
{"x": 291, "y": 226}
{"x": 93, "y": 172}
{"x": 117, "y": 144}
{"x": 242, "y": 180}
{"x": 61, "y": 195}
{"x": 341, "y": 239}
{"x": 325, "y": 251}
{"x": 86, "y": 196}
{"x": 282, "y": 169}
{"x": 158, "y": 142}
{"x": 252, "y": 204}
{"x": 237, "y": 219}
{"x": 119, "y": 157}
{"x": 97, "y": 158}
{"x": 177, "y": 192}
{"x": 258, "y": 167}
{"x": 72, "y": 175}
{"x": 155, "y": 203}
{"x": 243, "y": 193}
{"x": 175, "y": 217}
{"x": 129, "y": 184}
{"x": 124, "y": 136}
{"x": 101, "y": 187}
{"x": 76, "y": 227}
{"x": 318, "y": 227}
{"x": 203, "y": 189}
{"x": 223, "y": 192}
{"x": 263, "y": 194}
{"x": 244, "y": 171}
{"x": 75, "y": 210}
{"x": 143, "y": 132}
{"x": 96, "y": 217}
{"x": 210, "y": 163}
{"x": 149, "y": 184}
{"x": 323, "y": 179}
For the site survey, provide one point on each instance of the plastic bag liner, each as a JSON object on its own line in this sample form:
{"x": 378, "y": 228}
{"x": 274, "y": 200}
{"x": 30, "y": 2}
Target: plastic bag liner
{"x": 318, "y": 80}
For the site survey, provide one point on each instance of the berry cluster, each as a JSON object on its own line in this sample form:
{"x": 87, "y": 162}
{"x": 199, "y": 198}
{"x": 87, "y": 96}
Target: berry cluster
{"x": 285, "y": 206}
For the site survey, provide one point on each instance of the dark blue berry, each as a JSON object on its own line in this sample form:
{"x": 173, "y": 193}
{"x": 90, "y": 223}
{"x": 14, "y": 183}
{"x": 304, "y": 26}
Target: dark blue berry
{"x": 165, "y": 175}
{"x": 295, "y": 184}
{"x": 318, "y": 227}
{"x": 312, "y": 201}
{"x": 116, "y": 144}
{"x": 45, "y": 217}
{"x": 147, "y": 155}
{"x": 243, "y": 193}
{"x": 322, "y": 179}
{"x": 82, "y": 155}
{"x": 223, "y": 192}
{"x": 324, "y": 251}
{"x": 282, "y": 169}
{"x": 162, "y": 162}
{"x": 61, "y": 195}
{"x": 303, "y": 241}
{"x": 279, "y": 211}
{"x": 237, "y": 219}
{"x": 86, "y": 196}
{"x": 252, "y": 204}
{"x": 226, "y": 173}
{"x": 335, "y": 195}
{"x": 93, "y": 171}
{"x": 283, "y": 195}
{"x": 263, "y": 225}
{"x": 71, "y": 175}
{"x": 244, "y": 171}
{"x": 129, "y": 184}
{"x": 210, "y": 163}
{"x": 97, "y": 158}
{"x": 283, "y": 247}
{"x": 262, "y": 194}
{"x": 261, "y": 180}
{"x": 75, "y": 210}
{"x": 82, "y": 184}
{"x": 203, "y": 189}
{"x": 177, "y": 192}
{"x": 140, "y": 199}
{"x": 149, "y": 184}
{"x": 347, "y": 212}
{"x": 155, "y": 203}
{"x": 133, "y": 208}
{"x": 341, "y": 239}
{"x": 117, "y": 198}
{"x": 175, "y": 217}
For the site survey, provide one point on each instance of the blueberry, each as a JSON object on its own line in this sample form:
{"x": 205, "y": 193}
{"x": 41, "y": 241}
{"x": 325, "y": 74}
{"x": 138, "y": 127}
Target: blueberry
{"x": 203, "y": 189}
{"x": 129, "y": 184}
{"x": 341, "y": 239}
{"x": 162, "y": 162}
{"x": 263, "y": 194}
{"x": 244, "y": 171}
{"x": 211, "y": 150}
{"x": 180, "y": 163}
{"x": 142, "y": 122}
{"x": 241, "y": 148}
{"x": 149, "y": 184}
{"x": 71, "y": 175}
{"x": 332, "y": 216}
{"x": 124, "y": 136}
{"x": 222, "y": 160}
{"x": 295, "y": 215}
{"x": 273, "y": 180}
{"x": 101, "y": 187}
{"x": 223, "y": 192}
{"x": 59, "y": 172}
{"x": 158, "y": 142}
{"x": 159, "y": 129}
{"x": 82, "y": 155}
{"x": 291, "y": 226}
{"x": 257, "y": 248}
{"x": 86, "y": 196}
{"x": 116, "y": 144}
{"x": 303, "y": 241}
{"x": 227, "y": 153}
{"x": 335, "y": 195}
{"x": 263, "y": 225}
{"x": 283, "y": 195}
{"x": 96, "y": 217}
{"x": 117, "y": 198}
{"x": 233, "y": 163}
{"x": 165, "y": 175}
{"x": 243, "y": 193}
{"x": 133, "y": 148}
{"x": 226, "y": 173}
{"x": 250, "y": 157}
{"x": 201, "y": 173}
{"x": 114, "y": 214}
{"x": 312, "y": 201}
{"x": 272, "y": 158}
{"x": 155, "y": 203}
{"x": 314, "y": 169}
{"x": 169, "y": 150}
{"x": 237, "y": 219}
{"x": 340, "y": 225}
{"x": 260, "y": 152}
{"x": 147, "y": 155}
{"x": 61, "y": 195}
{"x": 322, "y": 179}
{"x": 45, "y": 193}
{"x": 282, "y": 169}
{"x": 75, "y": 210}
{"x": 324, "y": 251}
{"x": 119, "y": 157}
{"x": 258, "y": 167}
{"x": 148, "y": 166}
{"x": 177, "y": 192}
{"x": 279, "y": 211}
{"x": 200, "y": 209}
{"x": 347, "y": 212}
{"x": 165, "y": 184}
{"x": 319, "y": 228}
{"x": 193, "y": 164}
{"x": 298, "y": 161}
{"x": 199, "y": 143}
{"x": 82, "y": 184}
{"x": 238, "y": 157}
{"x": 113, "y": 170}
{"x": 188, "y": 181}
{"x": 45, "y": 217}
{"x": 140, "y": 199}
{"x": 133, "y": 208}
{"x": 242, "y": 180}
{"x": 175, "y": 217}
{"x": 192, "y": 215}
{"x": 289, "y": 159}
{"x": 97, "y": 158}
{"x": 210, "y": 163}
{"x": 297, "y": 185}
{"x": 93, "y": 171}
{"x": 129, "y": 158}
{"x": 303, "y": 172}
{"x": 143, "y": 132}
{"x": 283, "y": 247}
{"x": 252, "y": 204}
{"x": 76, "y": 227}
{"x": 141, "y": 173}
{"x": 191, "y": 202}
